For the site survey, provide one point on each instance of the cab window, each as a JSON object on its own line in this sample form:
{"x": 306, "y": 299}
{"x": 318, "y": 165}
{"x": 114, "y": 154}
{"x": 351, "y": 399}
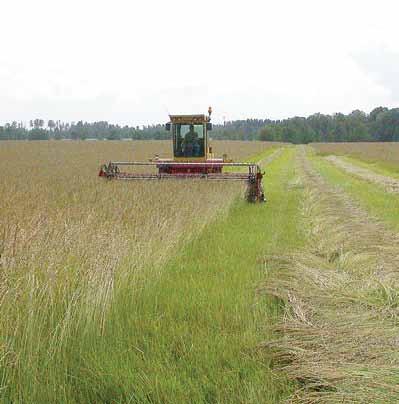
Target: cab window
{"x": 189, "y": 140}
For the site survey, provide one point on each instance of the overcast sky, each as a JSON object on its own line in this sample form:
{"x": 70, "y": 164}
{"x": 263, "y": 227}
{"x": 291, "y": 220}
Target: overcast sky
{"x": 135, "y": 61}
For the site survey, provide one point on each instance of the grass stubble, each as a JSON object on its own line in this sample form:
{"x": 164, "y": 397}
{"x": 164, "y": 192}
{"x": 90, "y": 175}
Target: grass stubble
{"x": 338, "y": 337}
{"x": 70, "y": 242}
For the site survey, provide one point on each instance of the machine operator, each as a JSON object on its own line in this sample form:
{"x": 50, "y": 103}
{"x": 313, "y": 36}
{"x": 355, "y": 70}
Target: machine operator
{"x": 191, "y": 144}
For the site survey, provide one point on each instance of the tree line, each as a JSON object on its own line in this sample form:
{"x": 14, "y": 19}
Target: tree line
{"x": 381, "y": 124}
{"x": 38, "y": 129}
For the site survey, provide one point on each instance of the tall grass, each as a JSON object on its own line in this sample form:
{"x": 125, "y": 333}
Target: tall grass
{"x": 195, "y": 331}
{"x": 73, "y": 250}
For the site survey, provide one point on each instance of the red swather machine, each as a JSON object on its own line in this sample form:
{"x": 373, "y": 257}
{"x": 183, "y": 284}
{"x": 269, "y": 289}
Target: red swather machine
{"x": 192, "y": 158}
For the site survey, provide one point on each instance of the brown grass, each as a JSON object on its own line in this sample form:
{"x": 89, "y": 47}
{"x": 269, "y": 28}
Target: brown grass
{"x": 339, "y": 335}
{"x": 54, "y": 208}
{"x": 69, "y": 238}
{"x": 370, "y": 152}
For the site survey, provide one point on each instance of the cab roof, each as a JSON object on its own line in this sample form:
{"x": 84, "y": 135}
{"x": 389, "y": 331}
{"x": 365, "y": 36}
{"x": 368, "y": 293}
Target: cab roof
{"x": 189, "y": 119}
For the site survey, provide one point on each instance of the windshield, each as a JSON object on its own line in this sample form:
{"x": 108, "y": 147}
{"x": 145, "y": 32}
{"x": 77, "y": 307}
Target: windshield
{"x": 189, "y": 140}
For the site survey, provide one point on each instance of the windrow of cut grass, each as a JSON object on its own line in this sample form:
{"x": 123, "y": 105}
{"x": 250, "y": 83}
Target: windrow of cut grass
{"x": 382, "y": 158}
{"x": 71, "y": 245}
{"x": 388, "y": 183}
{"x": 371, "y": 197}
{"x": 338, "y": 338}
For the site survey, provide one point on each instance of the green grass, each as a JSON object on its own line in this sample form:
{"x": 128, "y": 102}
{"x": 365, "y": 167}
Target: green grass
{"x": 256, "y": 159}
{"x": 191, "y": 333}
{"x": 261, "y": 156}
{"x": 370, "y": 196}
{"x": 377, "y": 166}
{"x": 343, "y": 294}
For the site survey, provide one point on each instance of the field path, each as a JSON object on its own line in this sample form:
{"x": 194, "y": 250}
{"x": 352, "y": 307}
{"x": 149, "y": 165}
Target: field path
{"x": 390, "y": 184}
{"x": 339, "y": 336}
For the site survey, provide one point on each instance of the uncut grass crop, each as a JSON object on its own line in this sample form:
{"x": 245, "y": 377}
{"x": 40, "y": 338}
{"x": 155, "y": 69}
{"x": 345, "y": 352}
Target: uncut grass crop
{"x": 241, "y": 150}
{"x": 69, "y": 241}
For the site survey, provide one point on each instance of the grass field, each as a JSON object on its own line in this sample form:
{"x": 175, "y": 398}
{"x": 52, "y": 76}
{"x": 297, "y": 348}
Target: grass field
{"x": 196, "y": 328}
{"x": 162, "y": 293}
{"x": 338, "y": 335}
{"x": 69, "y": 242}
{"x": 382, "y": 157}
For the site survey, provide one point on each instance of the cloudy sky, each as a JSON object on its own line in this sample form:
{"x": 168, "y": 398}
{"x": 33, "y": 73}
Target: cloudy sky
{"x": 135, "y": 61}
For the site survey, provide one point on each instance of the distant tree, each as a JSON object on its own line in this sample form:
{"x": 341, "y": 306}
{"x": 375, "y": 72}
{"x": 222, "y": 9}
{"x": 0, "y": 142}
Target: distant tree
{"x": 38, "y": 123}
{"x": 3, "y": 135}
{"x": 375, "y": 112}
{"x": 265, "y": 134}
{"x": 113, "y": 135}
{"x": 38, "y": 134}
{"x": 51, "y": 124}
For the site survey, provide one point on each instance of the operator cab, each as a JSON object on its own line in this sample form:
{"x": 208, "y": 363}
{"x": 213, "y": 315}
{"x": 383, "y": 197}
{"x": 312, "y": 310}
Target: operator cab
{"x": 188, "y": 140}
{"x": 190, "y": 136}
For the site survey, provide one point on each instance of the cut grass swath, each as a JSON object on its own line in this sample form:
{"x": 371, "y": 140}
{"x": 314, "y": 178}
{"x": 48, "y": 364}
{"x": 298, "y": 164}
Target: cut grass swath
{"x": 382, "y": 157}
{"x": 339, "y": 334}
{"x": 379, "y": 203}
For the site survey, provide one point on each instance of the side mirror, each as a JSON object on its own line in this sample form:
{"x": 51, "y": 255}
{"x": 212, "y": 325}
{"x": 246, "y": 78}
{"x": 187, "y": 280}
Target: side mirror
{"x": 168, "y": 126}
{"x": 208, "y": 126}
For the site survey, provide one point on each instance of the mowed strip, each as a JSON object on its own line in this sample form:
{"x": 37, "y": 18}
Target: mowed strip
{"x": 339, "y": 336}
{"x": 390, "y": 184}
{"x": 382, "y": 157}
{"x": 192, "y": 334}
{"x": 375, "y": 199}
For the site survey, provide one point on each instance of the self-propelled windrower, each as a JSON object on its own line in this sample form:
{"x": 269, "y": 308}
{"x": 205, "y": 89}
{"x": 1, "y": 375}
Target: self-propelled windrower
{"x": 192, "y": 159}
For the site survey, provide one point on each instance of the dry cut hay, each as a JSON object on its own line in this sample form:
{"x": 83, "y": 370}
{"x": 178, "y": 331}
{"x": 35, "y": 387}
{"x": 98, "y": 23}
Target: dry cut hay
{"x": 385, "y": 152}
{"x": 339, "y": 336}
{"x": 390, "y": 184}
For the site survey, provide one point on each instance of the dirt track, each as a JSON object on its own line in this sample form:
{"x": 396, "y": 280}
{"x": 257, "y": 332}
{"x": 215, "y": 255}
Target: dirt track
{"x": 390, "y": 184}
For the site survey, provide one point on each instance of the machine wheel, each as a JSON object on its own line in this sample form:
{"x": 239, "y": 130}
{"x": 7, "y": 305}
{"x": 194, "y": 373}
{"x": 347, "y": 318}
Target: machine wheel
{"x": 254, "y": 192}
{"x": 250, "y": 194}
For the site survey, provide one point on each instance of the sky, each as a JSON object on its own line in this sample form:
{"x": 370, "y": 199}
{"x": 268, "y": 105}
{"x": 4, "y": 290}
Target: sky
{"x": 136, "y": 61}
